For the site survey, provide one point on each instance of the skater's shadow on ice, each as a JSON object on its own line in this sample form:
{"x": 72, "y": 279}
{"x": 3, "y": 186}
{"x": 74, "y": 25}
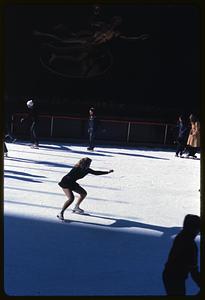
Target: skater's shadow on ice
{"x": 23, "y": 173}
{"x": 42, "y": 162}
{"x": 136, "y": 155}
{"x": 20, "y": 176}
{"x": 54, "y": 147}
{"x": 65, "y": 148}
{"x": 90, "y": 153}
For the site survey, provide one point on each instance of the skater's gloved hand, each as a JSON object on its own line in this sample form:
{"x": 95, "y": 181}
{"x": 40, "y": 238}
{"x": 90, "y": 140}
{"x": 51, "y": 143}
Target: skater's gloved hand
{"x": 110, "y": 171}
{"x": 22, "y": 119}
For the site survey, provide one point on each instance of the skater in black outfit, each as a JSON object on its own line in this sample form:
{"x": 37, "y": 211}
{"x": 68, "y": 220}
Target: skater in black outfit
{"x": 182, "y": 136}
{"x": 32, "y": 118}
{"x": 183, "y": 258}
{"x": 92, "y": 127}
{"x": 69, "y": 185}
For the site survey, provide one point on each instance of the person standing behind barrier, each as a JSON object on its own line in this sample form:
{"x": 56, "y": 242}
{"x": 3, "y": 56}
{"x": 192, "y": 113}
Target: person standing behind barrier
{"x": 193, "y": 142}
{"x": 32, "y": 118}
{"x": 183, "y": 258}
{"x": 92, "y": 128}
{"x": 182, "y": 136}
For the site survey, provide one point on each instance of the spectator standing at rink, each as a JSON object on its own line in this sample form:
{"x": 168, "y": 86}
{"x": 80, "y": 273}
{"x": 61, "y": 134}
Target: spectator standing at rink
{"x": 182, "y": 136}
{"x": 193, "y": 142}
{"x": 32, "y": 119}
{"x": 92, "y": 128}
{"x": 183, "y": 258}
{"x": 69, "y": 185}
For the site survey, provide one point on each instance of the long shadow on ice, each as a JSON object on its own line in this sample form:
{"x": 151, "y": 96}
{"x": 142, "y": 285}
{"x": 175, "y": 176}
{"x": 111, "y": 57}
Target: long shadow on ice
{"x": 54, "y": 258}
{"x": 23, "y": 173}
{"x": 22, "y": 178}
{"x": 41, "y": 162}
{"x": 134, "y": 154}
{"x": 65, "y": 148}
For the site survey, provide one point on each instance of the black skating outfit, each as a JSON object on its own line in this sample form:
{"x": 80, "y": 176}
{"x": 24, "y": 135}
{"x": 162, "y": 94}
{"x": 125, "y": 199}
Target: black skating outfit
{"x": 69, "y": 180}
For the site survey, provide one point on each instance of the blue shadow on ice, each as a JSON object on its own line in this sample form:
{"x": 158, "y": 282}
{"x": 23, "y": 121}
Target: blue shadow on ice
{"x": 136, "y": 155}
{"x": 22, "y": 178}
{"x": 41, "y": 162}
{"x": 23, "y": 173}
{"x": 44, "y": 258}
{"x": 65, "y": 148}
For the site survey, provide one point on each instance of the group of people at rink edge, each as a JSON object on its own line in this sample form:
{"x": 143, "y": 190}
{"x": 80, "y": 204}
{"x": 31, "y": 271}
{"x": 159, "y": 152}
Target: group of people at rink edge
{"x": 183, "y": 256}
{"x": 188, "y": 139}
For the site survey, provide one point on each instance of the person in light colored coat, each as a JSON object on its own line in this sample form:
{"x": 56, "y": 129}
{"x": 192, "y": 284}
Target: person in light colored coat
{"x": 193, "y": 142}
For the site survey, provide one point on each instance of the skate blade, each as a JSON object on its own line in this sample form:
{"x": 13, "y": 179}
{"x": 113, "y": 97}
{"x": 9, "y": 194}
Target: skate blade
{"x": 60, "y": 218}
{"x": 78, "y": 212}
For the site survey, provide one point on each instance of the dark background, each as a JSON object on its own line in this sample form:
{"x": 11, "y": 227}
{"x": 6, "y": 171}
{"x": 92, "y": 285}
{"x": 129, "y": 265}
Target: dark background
{"x": 153, "y": 79}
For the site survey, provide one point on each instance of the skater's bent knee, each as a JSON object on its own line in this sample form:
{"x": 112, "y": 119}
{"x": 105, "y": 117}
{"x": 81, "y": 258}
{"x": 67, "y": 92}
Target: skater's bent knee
{"x": 84, "y": 194}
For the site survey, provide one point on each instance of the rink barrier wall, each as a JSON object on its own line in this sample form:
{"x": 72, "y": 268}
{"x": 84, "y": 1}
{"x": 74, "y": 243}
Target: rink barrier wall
{"x": 111, "y": 131}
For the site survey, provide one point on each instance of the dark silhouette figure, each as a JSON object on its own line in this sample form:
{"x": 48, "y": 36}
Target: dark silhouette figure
{"x": 183, "y": 131}
{"x": 32, "y": 119}
{"x": 68, "y": 184}
{"x": 92, "y": 128}
{"x": 5, "y": 150}
{"x": 183, "y": 258}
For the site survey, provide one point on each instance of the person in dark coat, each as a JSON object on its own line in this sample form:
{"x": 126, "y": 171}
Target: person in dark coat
{"x": 92, "y": 128}
{"x": 32, "y": 118}
{"x": 69, "y": 185}
{"x": 183, "y": 258}
{"x": 183, "y": 132}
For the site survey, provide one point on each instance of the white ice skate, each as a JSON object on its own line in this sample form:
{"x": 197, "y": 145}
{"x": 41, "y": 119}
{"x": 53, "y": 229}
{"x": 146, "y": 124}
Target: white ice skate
{"x": 78, "y": 210}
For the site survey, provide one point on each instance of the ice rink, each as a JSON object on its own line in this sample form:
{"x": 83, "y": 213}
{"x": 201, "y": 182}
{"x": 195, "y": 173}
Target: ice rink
{"x": 120, "y": 246}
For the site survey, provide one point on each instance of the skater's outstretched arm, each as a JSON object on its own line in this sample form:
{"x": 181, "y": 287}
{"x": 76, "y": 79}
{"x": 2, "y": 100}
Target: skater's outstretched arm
{"x": 100, "y": 172}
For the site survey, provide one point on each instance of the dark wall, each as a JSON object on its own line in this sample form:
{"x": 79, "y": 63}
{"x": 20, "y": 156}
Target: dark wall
{"x": 161, "y": 72}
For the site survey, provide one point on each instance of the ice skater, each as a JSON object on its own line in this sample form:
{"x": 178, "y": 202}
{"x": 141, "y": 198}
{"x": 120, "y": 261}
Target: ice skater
{"x": 32, "y": 118}
{"x": 183, "y": 258}
{"x": 69, "y": 185}
{"x": 92, "y": 128}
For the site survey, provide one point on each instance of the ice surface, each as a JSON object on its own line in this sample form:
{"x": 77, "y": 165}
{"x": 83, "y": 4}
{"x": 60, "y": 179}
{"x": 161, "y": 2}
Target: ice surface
{"x": 121, "y": 247}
